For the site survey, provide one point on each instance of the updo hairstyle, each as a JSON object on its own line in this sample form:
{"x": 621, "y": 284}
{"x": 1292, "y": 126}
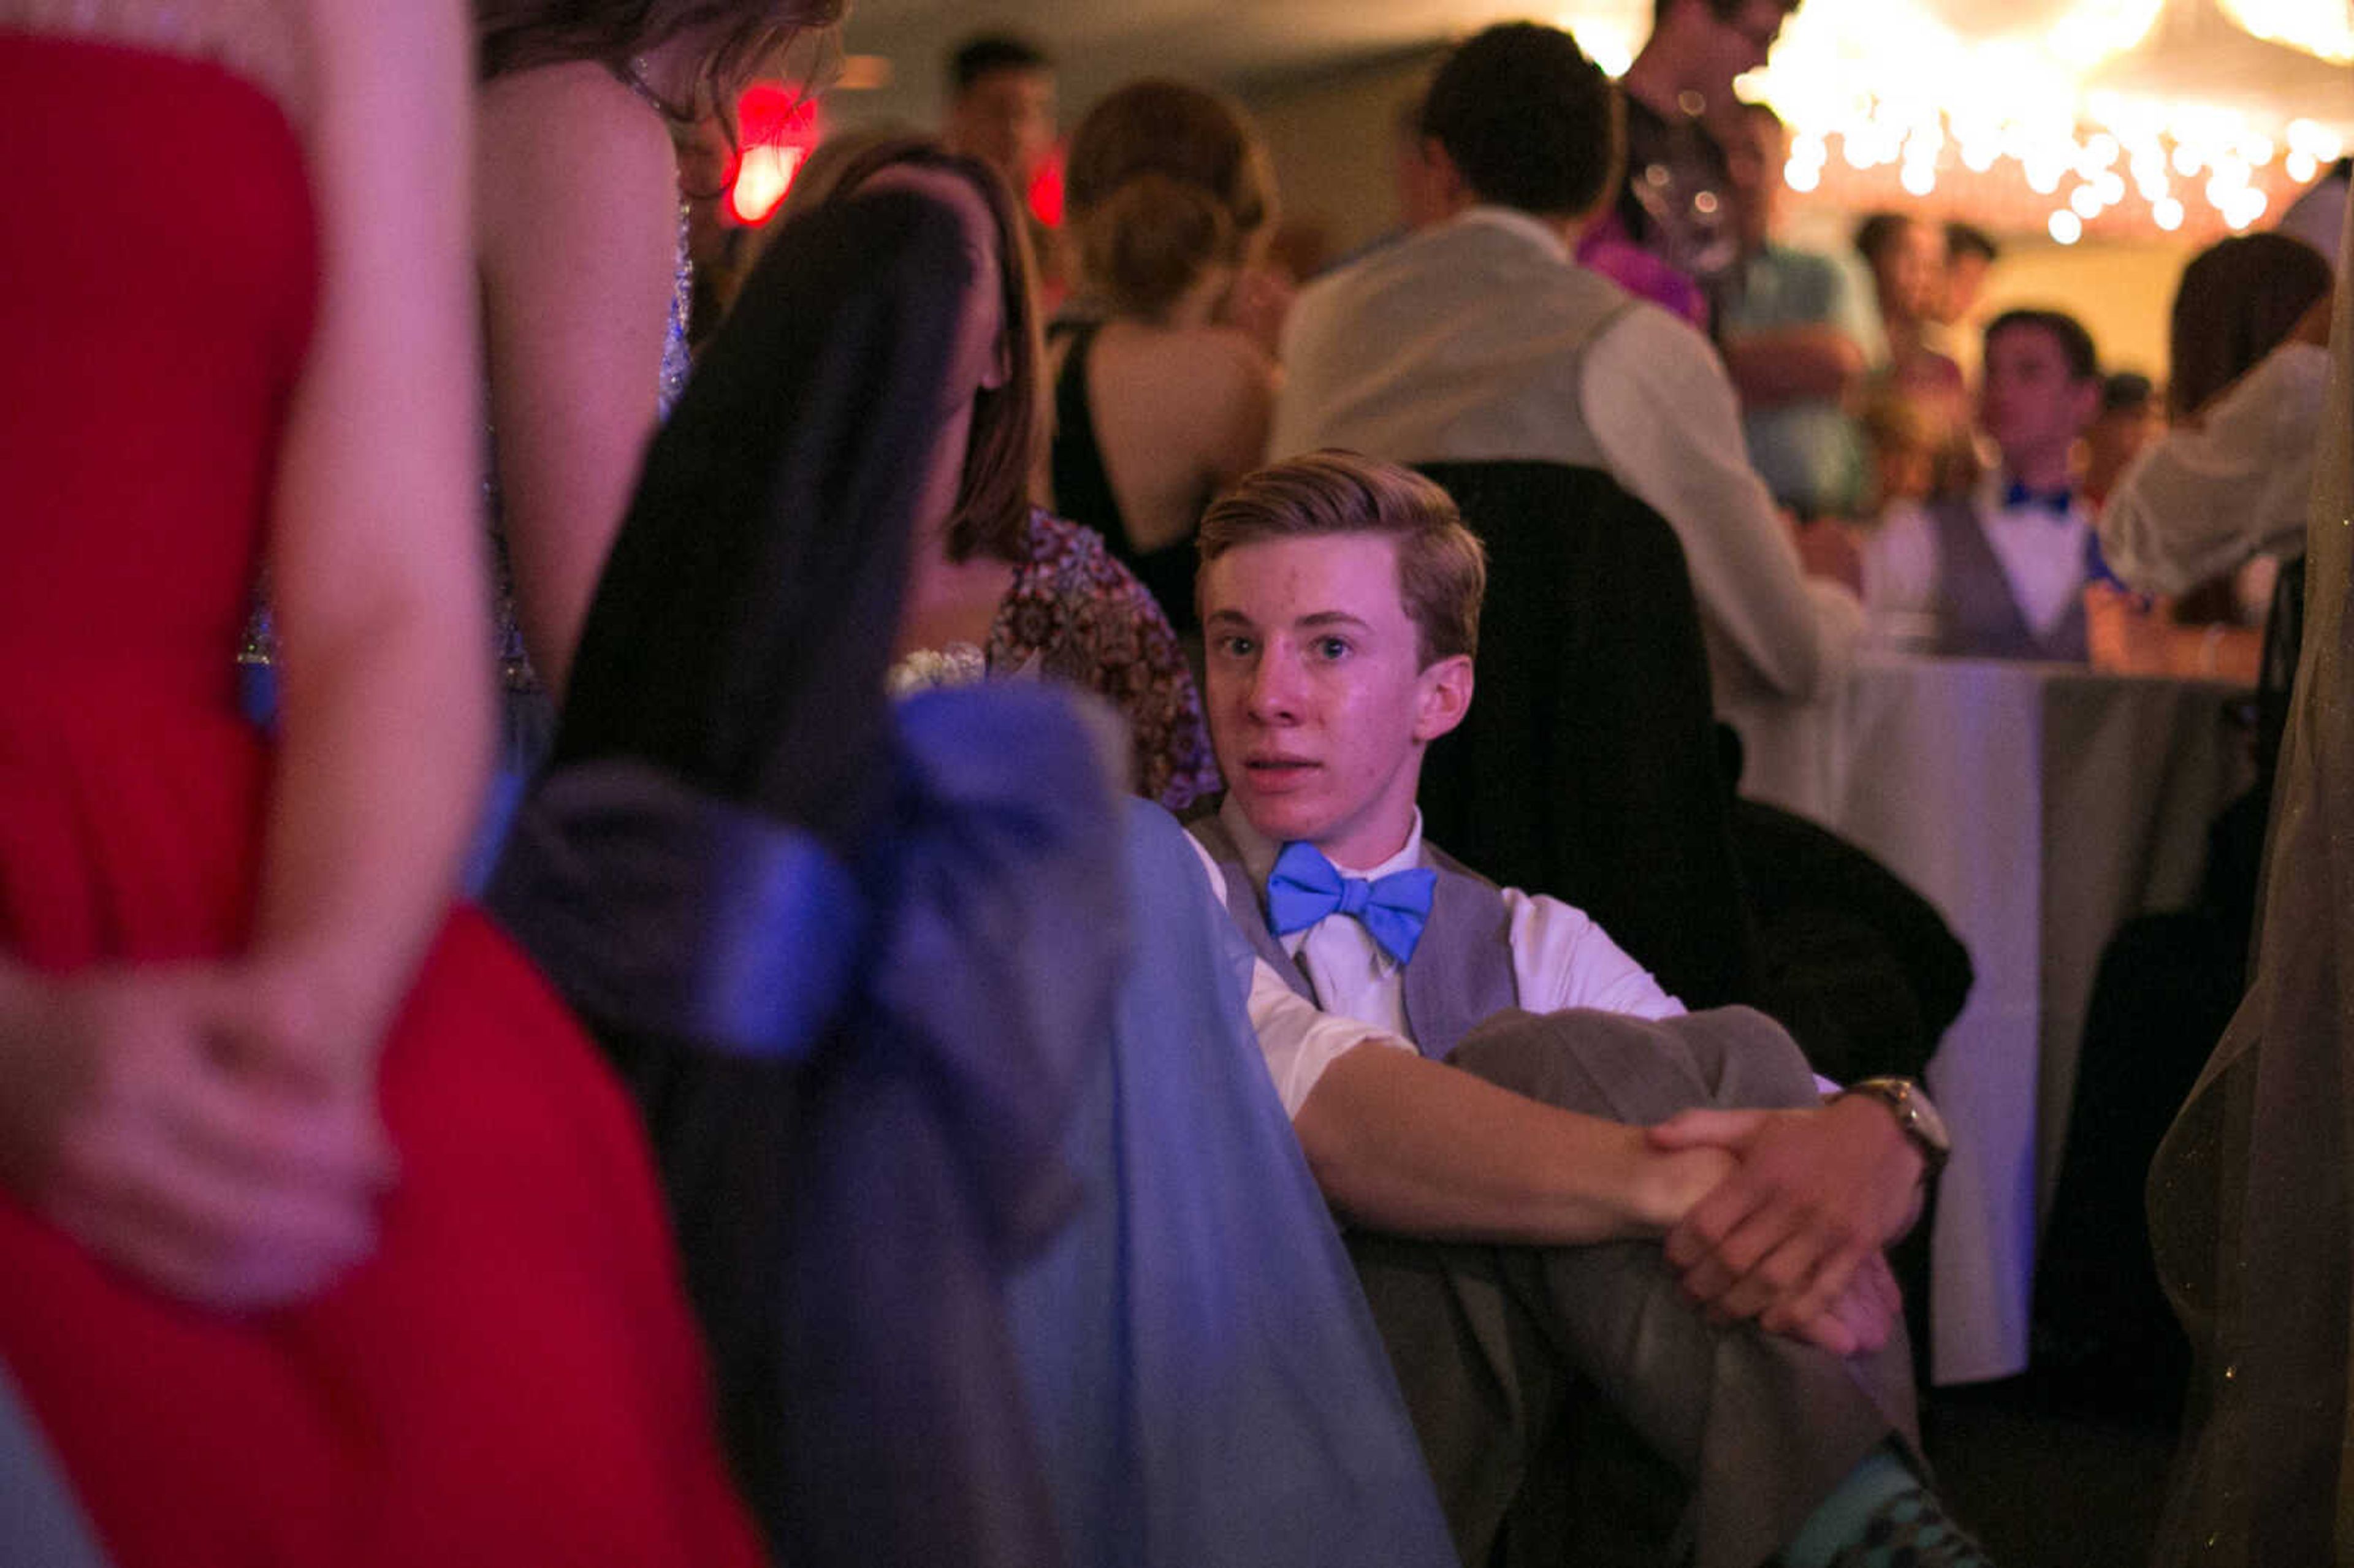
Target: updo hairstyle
{"x": 1163, "y": 182}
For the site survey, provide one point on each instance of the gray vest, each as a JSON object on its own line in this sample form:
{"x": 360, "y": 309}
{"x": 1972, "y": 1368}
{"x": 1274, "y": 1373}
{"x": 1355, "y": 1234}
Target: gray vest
{"x": 1461, "y": 974}
{"x": 1978, "y": 616}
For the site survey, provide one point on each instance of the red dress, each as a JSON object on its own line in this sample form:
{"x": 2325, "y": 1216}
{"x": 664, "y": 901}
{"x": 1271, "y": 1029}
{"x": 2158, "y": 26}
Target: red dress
{"x": 513, "y": 1378}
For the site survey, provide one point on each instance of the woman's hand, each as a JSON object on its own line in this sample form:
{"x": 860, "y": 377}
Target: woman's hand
{"x": 191, "y": 1125}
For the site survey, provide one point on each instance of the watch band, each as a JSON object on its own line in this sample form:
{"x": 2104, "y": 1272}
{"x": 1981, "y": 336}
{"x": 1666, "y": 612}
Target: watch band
{"x": 1915, "y": 1117}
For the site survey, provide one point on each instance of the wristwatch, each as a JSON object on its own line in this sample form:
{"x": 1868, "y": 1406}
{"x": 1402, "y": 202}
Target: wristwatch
{"x": 1915, "y": 1117}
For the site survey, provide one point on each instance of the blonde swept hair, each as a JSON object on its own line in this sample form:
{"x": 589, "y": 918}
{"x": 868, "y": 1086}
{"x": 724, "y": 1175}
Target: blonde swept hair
{"x": 1442, "y": 566}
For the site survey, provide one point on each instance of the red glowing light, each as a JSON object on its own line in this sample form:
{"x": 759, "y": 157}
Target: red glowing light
{"x": 776, "y": 131}
{"x": 1045, "y": 193}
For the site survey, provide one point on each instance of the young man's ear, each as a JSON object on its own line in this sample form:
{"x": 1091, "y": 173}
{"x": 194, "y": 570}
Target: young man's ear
{"x": 1445, "y": 696}
{"x": 1450, "y": 191}
{"x": 2087, "y": 401}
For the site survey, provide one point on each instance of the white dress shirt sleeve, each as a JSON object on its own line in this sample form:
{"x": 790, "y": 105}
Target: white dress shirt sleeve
{"x": 1297, "y": 1039}
{"x": 2200, "y": 500}
{"x": 1660, "y": 404}
{"x": 1561, "y": 958}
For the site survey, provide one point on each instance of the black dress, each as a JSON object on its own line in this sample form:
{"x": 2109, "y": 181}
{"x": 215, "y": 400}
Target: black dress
{"x": 1083, "y": 492}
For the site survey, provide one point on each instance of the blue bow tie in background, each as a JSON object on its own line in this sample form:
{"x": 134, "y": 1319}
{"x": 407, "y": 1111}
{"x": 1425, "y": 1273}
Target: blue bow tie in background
{"x": 2055, "y": 502}
{"x": 1305, "y": 887}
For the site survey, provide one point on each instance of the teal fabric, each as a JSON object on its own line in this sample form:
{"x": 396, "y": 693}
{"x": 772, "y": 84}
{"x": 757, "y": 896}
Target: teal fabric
{"x": 1810, "y": 454}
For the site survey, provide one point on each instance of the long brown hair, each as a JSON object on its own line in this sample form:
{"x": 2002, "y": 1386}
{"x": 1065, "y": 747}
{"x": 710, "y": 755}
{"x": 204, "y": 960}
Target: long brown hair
{"x": 1164, "y": 180}
{"x": 2237, "y": 302}
{"x": 1009, "y": 422}
{"x": 517, "y": 35}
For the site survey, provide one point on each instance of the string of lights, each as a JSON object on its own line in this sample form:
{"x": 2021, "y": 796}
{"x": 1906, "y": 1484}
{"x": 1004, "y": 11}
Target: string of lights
{"x": 1889, "y": 85}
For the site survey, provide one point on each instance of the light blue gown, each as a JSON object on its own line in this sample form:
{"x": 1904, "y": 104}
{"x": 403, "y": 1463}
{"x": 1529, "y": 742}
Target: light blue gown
{"x": 1207, "y": 1385}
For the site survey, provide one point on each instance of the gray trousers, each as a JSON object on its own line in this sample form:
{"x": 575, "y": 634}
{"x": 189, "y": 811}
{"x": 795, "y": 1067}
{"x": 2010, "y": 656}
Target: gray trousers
{"x": 1487, "y": 1340}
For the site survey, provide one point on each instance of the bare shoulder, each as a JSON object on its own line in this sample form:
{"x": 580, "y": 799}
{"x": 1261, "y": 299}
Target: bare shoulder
{"x": 579, "y": 114}
{"x": 1226, "y": 353}
{"x": 1214, "y": 368}
{"x": 569, "y": 158}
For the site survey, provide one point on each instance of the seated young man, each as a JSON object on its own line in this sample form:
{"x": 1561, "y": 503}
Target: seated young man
{"x": 1487, "y": 1146}
{"x": 2000, "y": 573}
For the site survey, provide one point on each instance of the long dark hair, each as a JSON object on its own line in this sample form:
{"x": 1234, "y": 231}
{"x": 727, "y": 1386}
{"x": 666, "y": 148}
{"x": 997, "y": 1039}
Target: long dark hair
{"x": 1009, "y": 422}
{"x": 517, "y": 35}
{"x": 2237, "y": 302}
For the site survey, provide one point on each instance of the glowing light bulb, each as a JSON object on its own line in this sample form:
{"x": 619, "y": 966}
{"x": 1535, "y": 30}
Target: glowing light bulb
{"x": 2321, "y": 30}
{"x": 2167, "y": 212}
{"x": 762, "y": 179}
{"x": 2065, "y": 227}
{"x": 1919, "y": 178}
{"x": 2086, "y": 201}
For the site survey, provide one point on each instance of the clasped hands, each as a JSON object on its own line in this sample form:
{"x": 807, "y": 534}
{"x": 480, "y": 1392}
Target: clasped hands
{"x": 1792, "y": 1236}
{"x": 204, "y": 1127}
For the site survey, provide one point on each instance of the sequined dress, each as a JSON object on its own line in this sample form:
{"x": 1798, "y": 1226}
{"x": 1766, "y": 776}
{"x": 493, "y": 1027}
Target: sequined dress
{"x": 527, "y": 734}
{"x": 513, "y": 1377}
{"x": 527, "y": 721}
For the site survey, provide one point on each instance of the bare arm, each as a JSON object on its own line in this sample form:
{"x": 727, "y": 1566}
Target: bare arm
{"x": 1790, "y": 365}
{"x": 1243, "y": 413}
{"x": 376, "y": 534}
{"x": 1417, "y": 1147}
{"x": 211, "y": 1128}
{"x": 576, "y": 230}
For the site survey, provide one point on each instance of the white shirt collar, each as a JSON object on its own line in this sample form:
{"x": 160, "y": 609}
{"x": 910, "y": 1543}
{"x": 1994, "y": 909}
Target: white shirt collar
{"x": 1512, "y": 220}
{"x": 1259, "y": 851}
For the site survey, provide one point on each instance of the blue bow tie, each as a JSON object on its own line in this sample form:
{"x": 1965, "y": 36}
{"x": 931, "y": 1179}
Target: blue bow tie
{"x": 2056, "y": 502}
{"x": 1305, "y": 887}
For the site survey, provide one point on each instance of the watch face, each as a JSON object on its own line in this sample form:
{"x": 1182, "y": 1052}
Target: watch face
{"x": 1930, "y": 1125}
{"x": 1914, "y": 1114}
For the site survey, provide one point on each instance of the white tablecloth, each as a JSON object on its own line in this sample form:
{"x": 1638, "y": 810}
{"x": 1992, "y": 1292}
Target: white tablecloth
{"x": 2037, "y": 807}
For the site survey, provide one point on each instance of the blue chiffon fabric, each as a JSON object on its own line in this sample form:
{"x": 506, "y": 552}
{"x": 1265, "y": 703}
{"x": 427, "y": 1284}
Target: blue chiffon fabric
{"x": 1203, "y": 1381}
{"x": 1002, "y": 1246}
{"x": 1207, "y": 1382}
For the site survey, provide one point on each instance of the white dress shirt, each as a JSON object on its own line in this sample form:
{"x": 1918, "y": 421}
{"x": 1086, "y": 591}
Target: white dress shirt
{"x": 1561, "y": 958}
{"x": 2202, "y": 499}
{"x": 2042, "y": 557}
{"x": 1482, "y": 340}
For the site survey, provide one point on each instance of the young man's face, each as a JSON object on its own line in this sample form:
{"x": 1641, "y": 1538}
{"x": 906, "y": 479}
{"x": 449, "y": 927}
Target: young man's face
{"x": 1754, "y": 156}
{"x": 1007, "y": 117}
{"x": 1965, "y": 275}
{"x": 1912, "y": 273}
{"x": 2030, "y": 401}
{"x": 1316, "y": 705}
{"x": 1724, "y": 48}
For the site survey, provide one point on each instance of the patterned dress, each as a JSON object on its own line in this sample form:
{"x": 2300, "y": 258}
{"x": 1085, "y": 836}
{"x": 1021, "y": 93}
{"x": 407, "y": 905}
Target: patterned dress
{"x": 1078, "y": 615}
